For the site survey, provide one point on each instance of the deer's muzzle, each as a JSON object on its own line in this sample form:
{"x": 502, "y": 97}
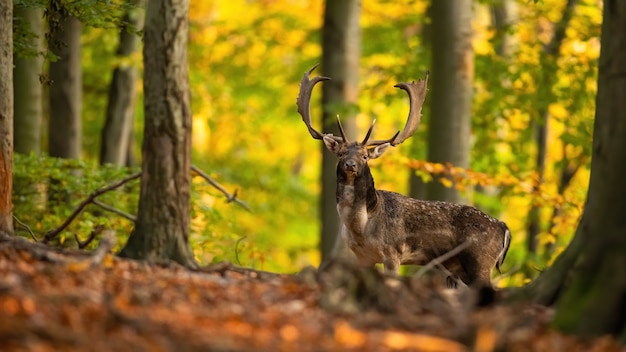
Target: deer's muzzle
{"x": 350, "y": 165}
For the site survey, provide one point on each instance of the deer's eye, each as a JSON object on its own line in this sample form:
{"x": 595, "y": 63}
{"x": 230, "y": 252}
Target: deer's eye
{"x": 365, "y": 157}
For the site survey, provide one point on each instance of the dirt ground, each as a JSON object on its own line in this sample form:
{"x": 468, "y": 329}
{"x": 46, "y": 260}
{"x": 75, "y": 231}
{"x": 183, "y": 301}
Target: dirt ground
{"x": 53, "y": 300}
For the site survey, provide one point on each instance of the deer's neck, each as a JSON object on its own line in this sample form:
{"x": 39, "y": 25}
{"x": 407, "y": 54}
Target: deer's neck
{"x": 356, "y": 197}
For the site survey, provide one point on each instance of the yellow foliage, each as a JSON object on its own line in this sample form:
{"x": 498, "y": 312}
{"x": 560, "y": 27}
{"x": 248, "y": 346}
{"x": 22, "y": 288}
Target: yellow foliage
{"x": 246, "y": 59}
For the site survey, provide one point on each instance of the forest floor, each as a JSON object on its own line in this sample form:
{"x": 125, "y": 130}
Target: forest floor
{"x": 53, "y": 300}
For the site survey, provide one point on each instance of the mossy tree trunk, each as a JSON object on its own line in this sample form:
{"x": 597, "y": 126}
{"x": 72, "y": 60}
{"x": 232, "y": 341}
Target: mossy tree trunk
{"x": 162, "y": 227}
{"x": 588, "y": 282}
{"x": 27, "y": 88}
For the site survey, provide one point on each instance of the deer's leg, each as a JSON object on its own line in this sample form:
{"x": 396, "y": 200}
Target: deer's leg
{"x": 456, "y": 272}
{"x": 483, "y": 279}
{"x": 391, "y": 265}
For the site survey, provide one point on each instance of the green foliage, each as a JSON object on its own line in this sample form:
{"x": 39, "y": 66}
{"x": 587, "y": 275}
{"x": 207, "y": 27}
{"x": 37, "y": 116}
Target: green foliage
{"x": 47, "y": 190}
{"x": 91, "y": 13}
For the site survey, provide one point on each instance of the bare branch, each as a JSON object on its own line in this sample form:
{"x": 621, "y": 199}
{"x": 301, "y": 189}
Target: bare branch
{"x": 237, "y": 249}
{"x": 212, "y": 182}
{"x": 114, "y": 210}
{"x": 438, "y": 262}
{"x": 53, "y": 233}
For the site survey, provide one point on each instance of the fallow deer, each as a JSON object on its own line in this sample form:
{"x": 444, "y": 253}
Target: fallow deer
{"x": 392, "y": 229}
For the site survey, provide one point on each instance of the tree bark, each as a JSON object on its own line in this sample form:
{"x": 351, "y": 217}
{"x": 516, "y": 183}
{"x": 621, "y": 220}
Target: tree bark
{"x": 27, "y": 88}
{"x": 6, "y": 115}
{"x": 341, "y": 51}
{"x": 594, "y": 303}
{"x": 117, "y": 132}
{"x": 452, "y": 75}
{"x": 65, "y": 127}
{"x": 162, "y": 227}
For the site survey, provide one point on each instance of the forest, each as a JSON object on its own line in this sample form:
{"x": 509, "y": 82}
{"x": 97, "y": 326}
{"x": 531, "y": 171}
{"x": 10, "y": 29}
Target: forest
{"x": 158, "y": 146}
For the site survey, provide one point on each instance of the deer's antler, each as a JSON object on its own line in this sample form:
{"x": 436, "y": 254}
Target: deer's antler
{"x": 417, "y": 94}
{"x": 304, "y": 103}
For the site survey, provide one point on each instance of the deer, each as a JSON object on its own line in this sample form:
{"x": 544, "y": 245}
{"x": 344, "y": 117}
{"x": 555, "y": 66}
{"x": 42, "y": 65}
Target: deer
{"x": 388, "y": 228}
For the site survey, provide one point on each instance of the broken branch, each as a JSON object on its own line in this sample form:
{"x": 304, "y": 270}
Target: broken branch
{"x": 53, "y": 233}
{"x": 82, "y": 244}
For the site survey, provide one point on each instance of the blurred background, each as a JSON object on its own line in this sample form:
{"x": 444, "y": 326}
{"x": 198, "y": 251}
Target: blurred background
{"x": 506, "y": 126}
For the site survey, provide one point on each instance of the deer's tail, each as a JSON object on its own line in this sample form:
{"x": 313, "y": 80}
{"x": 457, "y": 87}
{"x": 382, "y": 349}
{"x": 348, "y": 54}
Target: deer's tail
{"x": 505, "y": 246}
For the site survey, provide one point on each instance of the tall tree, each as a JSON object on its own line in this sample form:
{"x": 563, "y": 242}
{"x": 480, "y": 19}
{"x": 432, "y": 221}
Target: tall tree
{"x": 586, "y": 280}
{"x": 341, "y": 50}
{"x": 27, "y": 87}
{"x": 162, "y": 226}
{"x": 117, "y": 131}
{"x": 451, "y": 102}
{"x": 504, "y": 15}
{"x": 6, "y": 115}
{"x": 65, "y": 127}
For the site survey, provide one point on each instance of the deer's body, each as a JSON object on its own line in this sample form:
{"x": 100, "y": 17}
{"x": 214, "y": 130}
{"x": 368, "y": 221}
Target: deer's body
{"x": 389, "y": 228}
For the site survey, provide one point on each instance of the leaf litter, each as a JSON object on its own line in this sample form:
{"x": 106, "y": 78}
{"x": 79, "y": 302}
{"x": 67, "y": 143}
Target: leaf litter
{"x": 58, "y": 299}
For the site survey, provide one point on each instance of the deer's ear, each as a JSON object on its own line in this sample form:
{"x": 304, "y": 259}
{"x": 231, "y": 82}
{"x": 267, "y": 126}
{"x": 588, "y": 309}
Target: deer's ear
{"x": 378, "y": 151}
{"x": 332, "y": 144}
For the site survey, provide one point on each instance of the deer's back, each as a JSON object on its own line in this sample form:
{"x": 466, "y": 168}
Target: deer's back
{"x": 435, "y": 227}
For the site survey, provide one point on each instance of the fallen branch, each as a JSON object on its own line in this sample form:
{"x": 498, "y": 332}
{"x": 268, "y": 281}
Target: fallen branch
{"x": 53, "y": 233}
{"x": 92, "y": 199}
{"x": 212, "y": 182}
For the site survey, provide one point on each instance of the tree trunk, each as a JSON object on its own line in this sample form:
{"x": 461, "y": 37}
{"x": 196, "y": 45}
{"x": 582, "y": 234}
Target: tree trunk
{"x": 162, "y": 226}
{"x": 452, "y": 75}
{"x": 6, "y": 115}
{"x": 64, "y": 127}
{"x": 594, "y": 303}
{"x": 341, "y": 50}
{"x": 504, "y": 14}
{"x": 418, "y": 189}
{"x": 117, "y": 132}
{"x": 27, "y": 88}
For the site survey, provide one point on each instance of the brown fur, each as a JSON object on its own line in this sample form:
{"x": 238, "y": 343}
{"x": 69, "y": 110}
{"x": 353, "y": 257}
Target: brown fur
{"x": 389, "y": 228}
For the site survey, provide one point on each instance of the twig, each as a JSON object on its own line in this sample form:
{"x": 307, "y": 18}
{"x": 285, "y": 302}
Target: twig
{"x": 237, "y": 249}
{"x": 53, "y": 233}
{"x": 26, "y": 227}
{"x": 114, "y": 210}
{"x": 212, "y": 182}
{"x": 95, "y": 232}
{"x": 438, "y": 262}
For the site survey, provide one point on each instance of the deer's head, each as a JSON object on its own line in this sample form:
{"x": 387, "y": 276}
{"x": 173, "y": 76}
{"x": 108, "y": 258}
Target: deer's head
{"x": 353, "y": 156}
